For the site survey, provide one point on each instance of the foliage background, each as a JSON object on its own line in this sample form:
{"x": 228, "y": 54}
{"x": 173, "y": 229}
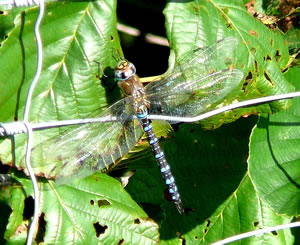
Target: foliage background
{"x": 239, "y": 177}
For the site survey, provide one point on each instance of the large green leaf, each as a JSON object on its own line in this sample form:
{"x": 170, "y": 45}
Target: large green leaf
{"x": 261, "y": 53}
{"x": 81, "y": 214}
{"x": 274, "y": 156}
{"x": 211, "y": 173}
{"x": 74, "y": 36}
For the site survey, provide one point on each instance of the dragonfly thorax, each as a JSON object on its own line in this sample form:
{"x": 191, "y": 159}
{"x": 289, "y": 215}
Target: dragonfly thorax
{"x": 124, "y": 70}
{"x": 132, "y": 85}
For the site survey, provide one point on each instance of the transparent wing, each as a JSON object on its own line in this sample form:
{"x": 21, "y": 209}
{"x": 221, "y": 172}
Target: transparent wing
{"x": 196, "y": 64}
{"x": 200, "y": 80}
{"x": 192, "y": 98}
{"x": 91, "y": 147}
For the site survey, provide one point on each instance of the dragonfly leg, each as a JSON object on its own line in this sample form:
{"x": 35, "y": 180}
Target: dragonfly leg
{"x": 100, "y": 68}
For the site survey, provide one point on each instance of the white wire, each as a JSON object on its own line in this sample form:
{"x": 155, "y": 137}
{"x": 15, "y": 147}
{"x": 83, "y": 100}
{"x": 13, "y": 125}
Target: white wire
{"x": 257, "y": 232}
{"x": 39, "y": 61}
{"x": 33, "y": 224}
{"x": 13, "y": 128}
{"x": 34, "y": 183}
{"x": 8, "y": 2}
{"x": 227, "y": 108}
{"x": 26, "y": 124}
{"x": 46, "y": 125}
{"x": 20, "y": 3}
{"x": 17, "y": 127}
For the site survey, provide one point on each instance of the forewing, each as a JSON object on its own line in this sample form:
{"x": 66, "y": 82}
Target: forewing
{"x": 91, "y": 147}
{"x": 200, "y": 80}
{"x": 197, "y": 64}
{"x": 191, "y": 98}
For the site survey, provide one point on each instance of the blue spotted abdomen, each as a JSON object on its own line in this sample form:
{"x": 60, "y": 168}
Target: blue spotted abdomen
{"x": 161, "y": 160}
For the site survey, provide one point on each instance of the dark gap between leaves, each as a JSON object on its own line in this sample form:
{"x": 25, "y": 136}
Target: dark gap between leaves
{"x": 183, "y": 241}
{"x": 187, "y": 211}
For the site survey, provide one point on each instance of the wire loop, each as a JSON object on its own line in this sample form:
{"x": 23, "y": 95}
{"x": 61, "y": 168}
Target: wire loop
{"x": 20, "y": 3}
{"x": 8, "y": 129}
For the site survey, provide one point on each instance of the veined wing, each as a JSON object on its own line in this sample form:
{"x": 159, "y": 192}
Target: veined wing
{"x": 193, "y": 97}
{"x": 91, "y": 147}
{"x": 196, "y": 64}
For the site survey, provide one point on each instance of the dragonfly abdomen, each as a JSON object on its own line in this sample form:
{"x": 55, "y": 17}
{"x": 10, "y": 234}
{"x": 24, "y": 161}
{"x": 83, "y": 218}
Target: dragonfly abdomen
{"x": 161, "y": 160}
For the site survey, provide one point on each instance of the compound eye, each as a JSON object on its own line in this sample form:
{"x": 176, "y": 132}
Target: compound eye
{"x": 120, "y": 75}
{"x": 124, "y": 70}
{"x": 132, "y": 69}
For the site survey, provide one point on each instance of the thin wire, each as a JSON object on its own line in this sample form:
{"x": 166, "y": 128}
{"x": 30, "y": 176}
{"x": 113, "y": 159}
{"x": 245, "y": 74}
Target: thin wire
{"x": 17, "y": 127}
{"x": 19, "y": 3}
{"x": 171, "y": 118}
{"x": 13, "y": 128}
{"x": 226, "y": 108}
{"x": 7, "y": 2}
{"x": 39, "y": 60}
{"x": 34, "y": 183}
{"x": 257, "y": 232}
{"x": 33, "y": 224}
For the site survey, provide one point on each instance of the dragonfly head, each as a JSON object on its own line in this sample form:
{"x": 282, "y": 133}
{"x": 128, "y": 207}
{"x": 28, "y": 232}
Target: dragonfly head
{"x": 124, "y": 70}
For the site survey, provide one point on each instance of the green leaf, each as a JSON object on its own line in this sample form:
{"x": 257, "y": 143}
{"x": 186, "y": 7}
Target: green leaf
{"x": 7, "y": 21}
{"x": 74, "y": 36}
{"x": 217, "y": 193}
{"x": 17, "y": 227}
{"x": 261, "y": 53}
{"x": 95, "y": 209}
{"x": 274, "y": 156}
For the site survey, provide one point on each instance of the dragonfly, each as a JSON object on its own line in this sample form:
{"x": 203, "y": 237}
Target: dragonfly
{"x": 200, "y": 81}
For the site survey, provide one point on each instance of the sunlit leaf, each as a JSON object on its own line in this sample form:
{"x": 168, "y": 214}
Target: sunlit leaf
{"x": 274, "y": 156}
